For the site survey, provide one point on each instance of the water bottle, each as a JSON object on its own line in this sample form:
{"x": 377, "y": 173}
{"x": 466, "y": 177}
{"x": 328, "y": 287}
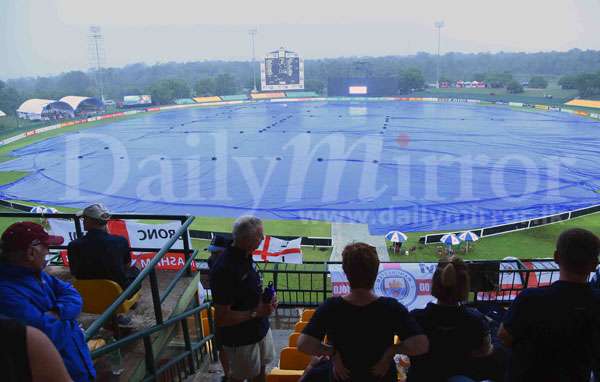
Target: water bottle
{"x": 268, "y": 293}
{"x": 115, "y": 360}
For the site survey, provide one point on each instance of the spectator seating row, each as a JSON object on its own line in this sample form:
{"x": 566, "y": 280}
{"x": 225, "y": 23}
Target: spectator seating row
{"x": 292, "y": 362}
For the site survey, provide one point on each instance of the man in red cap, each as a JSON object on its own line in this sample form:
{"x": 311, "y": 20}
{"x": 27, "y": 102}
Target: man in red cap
{"x": 38, "y": 299}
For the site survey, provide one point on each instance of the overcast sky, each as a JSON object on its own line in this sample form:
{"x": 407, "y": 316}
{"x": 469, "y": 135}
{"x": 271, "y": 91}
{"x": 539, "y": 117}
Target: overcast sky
{"x": 39, "y": 37}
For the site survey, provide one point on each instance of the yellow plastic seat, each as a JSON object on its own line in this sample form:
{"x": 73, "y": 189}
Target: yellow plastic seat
{"x": 204, "y": 313}
{"x": 280, "y": 375}
{"x": 95, "y": 344}
{"x": 293, "y": 340}
{"x": 299, "y": 326}
{"x": 292, "y": 359}
{"x": 307, "y": 314}
{"x": 97, "y": 296}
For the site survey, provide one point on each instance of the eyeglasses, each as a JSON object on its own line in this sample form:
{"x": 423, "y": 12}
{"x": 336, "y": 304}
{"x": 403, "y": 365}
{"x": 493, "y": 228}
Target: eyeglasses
{"x": 36, "y": 242}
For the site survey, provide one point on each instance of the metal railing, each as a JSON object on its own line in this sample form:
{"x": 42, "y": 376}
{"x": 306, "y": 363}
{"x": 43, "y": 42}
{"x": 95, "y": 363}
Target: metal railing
{"x": 192, "y": 350}
{"x": 310, "y": 283}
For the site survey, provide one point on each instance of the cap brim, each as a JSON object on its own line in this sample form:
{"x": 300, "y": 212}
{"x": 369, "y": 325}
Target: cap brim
{"x": 54, "y": 240}
{"x": 214, "y": 248}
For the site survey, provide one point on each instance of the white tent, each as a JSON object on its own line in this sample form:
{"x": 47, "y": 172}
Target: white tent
{"x": 36, "y": 109}
{"x": 2, "y": 114}
{"x": 83, "y": 104}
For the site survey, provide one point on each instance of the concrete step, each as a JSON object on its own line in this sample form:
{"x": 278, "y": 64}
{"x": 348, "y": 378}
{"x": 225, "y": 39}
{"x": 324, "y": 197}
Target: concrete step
{"x": 343, "y": 234}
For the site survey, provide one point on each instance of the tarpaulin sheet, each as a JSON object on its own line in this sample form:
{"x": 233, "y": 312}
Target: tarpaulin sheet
{"x": 412, "y": 166}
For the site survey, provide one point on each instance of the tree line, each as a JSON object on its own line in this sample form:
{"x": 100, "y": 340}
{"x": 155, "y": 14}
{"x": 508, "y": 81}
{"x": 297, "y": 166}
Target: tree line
{"x": 575, "y": 69}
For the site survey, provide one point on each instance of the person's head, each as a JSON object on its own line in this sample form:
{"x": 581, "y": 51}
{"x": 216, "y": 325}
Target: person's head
{"x": 95, "y": 216}
{"x": 26, "y": 244}
{"x": 450, "y": 284}
{"x": 218, "y": 244}
{"x": 361, "y": 265}
{"x": 577, "y": 252}
{"x": 247, "y": 233}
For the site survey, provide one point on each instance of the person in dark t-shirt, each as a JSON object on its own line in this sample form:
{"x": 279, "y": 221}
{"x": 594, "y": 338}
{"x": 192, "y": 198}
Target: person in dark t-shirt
{"x": 241, "y": 316}
{"x": 459, "y": 337}
{"x": 360, "y": 326}
{"x": 554, "y": 332}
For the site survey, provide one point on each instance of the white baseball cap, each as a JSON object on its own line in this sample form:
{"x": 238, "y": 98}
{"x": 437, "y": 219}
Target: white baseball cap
{"x": 96, "y": 211}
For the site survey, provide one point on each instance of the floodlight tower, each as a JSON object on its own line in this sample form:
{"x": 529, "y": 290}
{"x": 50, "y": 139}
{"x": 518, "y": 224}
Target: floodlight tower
{"x": 96, "y": 55}
{"x": 439, "y": 25}
{"x": 252, "y": 33}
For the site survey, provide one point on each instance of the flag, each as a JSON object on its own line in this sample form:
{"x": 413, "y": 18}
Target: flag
{"x": 275, "y": 250}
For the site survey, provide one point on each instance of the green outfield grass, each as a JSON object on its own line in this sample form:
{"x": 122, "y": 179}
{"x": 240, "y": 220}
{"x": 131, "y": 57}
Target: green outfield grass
{"x": 533, "y": 243}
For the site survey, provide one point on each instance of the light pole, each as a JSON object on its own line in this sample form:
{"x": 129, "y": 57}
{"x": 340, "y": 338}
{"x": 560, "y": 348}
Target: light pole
{"x": 439, "y": 25}
{"x": 252, "y": 33}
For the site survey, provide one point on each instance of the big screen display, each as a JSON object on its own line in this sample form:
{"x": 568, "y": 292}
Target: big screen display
{"x": 282, "y": 70}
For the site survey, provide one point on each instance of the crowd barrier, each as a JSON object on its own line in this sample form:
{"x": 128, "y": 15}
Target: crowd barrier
{"x": 311, "y": 283}
{"x": 516, "y": 226}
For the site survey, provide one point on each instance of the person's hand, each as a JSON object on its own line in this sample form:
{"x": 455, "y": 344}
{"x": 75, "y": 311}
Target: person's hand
{"x": 383, "y": 365}
{"x": 340, "y": 372}
{"x": 265, "y": 310}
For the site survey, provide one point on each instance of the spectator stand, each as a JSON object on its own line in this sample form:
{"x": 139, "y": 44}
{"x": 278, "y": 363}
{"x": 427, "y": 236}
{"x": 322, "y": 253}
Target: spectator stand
{"x": 164, "y": 352}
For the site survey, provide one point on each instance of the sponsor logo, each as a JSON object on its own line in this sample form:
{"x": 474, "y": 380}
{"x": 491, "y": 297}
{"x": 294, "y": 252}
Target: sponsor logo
{"x": 397, "y": 284}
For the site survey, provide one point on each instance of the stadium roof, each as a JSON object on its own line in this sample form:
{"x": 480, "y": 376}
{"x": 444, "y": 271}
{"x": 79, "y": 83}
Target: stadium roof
{"x": 75, "y": 101}
{"x": 2, "y": 114}
{"x": 34, "y": 105}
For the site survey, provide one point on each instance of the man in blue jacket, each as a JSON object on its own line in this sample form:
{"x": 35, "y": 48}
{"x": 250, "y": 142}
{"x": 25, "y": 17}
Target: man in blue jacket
{"x": 35, "y": 298}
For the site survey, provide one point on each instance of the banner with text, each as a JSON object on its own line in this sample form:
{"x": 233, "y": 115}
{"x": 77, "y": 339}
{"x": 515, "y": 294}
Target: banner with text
{"x": 410, "y": 284}
{"x": 139, "y": 235}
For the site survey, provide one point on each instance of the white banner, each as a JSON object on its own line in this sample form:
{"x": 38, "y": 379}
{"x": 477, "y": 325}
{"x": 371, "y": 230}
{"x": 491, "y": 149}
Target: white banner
{"x": 143, "y": 235}
{"x": 140, "y": 235}
{"x": 409, "y": 283}
{"x": 63, "y": 228}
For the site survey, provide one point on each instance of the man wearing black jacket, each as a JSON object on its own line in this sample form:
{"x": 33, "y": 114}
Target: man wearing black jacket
{"x": 98, "y": 254}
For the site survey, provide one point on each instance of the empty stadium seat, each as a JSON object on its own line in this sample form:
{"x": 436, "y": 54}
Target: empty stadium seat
{"x": 299, "y": 326}
{"x": 98, "y": 295}
{"x": 292, "y": 359}
{"x": 307, "y": 314}
{"x": 293, "y": 340}
{"x": 204, "y": 313}
{"x": 279, "y": 375}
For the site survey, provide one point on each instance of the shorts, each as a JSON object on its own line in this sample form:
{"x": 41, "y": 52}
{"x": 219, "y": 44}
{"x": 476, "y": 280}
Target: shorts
{"x": 245, "y": 362}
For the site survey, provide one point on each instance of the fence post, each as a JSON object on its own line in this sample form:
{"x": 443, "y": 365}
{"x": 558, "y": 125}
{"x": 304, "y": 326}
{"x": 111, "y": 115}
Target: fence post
{"x": 155, "y": 297}
{"x": 78, "y": 230}
{"x": 275, "y": 273}
{"x": 325, "y": 272}
{"x": 149, "y": 355}
{"x": 186, "y": 249}
{"x": 188, "y": 345}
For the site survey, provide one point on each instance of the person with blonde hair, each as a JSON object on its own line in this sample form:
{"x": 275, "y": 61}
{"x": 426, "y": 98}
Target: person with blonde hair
{"x": 360, "y": 326}
{"x": 458, "y": 335}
